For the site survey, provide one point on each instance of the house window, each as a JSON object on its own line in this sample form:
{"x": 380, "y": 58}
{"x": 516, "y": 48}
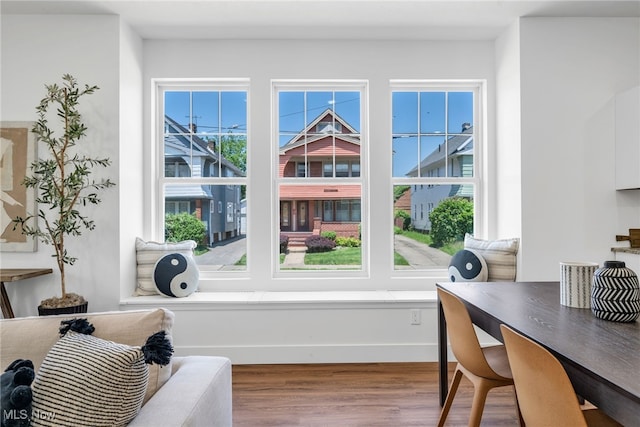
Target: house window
{"x": 177, "y": 207}
{"x": 343, "y": 169}
{"x": 341, "y": 210}
{"x": 301, "y": 170}
{"x": 229, "y": 211}
{"x": 435, "y": 144}
{"x": 327, "y": 169}
{"x": 320, "y": 145}
{"x": 201, "y": 151}
{"x": 329, "y": 127}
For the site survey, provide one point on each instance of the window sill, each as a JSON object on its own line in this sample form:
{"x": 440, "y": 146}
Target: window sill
{"x": 280, "y": 300}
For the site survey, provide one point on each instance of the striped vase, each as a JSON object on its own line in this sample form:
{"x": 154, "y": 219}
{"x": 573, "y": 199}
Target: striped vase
{"x": 615, "y": 293}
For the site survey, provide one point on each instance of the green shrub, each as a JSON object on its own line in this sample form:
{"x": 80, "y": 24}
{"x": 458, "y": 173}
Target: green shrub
{"x": 406, "y": 218}
{"x": 329, "y": 235}
{"x": 450, "y": 220}
{"x": 348, "y": 242}
{"x": 183, "y": 226}
{"x": 284, "y": 243}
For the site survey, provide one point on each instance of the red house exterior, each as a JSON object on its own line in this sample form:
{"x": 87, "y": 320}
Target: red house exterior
{"x": 329, "y": 148}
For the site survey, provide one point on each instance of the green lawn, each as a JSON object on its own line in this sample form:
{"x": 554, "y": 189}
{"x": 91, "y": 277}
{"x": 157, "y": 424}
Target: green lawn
{"x": 419, "y": 237}
{"x": 450, "y": 248}
{"x": 399, "y": 259}
{"x": 338, "y": 256}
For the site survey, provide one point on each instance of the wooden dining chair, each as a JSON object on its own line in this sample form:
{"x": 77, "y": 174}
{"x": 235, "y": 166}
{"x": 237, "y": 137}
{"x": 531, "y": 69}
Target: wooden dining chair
{"x": 485, "y": 367}
{"x": 545, "y": 394}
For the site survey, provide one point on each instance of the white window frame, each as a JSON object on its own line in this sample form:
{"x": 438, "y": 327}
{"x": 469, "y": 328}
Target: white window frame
{"x": 361, "y": 86}
{"x": 159, "y": 181}
{"x": 478, "y": 87}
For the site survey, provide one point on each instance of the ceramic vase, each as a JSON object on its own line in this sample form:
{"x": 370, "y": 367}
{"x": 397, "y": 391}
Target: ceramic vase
{"x": 615, "y": 293}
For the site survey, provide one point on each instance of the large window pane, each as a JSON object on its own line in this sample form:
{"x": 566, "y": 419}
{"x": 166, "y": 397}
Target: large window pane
{"x": 430, "y": 222}
{"x": 442, "y": 151}
{"x": 205, "y": 147}
{"x": 318, "y": 210}
{"x": 206, "y": 130}
{"x": 319, "y": 141}
{"x": 202, "y": 219}
{"x": 433, "y": 174}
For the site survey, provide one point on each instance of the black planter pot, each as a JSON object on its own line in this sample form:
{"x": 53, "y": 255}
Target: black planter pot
{"x": 82, "y": 308}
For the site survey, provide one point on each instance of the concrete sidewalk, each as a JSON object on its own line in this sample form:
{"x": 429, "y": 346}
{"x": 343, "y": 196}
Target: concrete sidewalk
{"x": 419, "y": 255}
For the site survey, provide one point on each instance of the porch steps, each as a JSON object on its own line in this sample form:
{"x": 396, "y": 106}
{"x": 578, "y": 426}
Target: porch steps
{"x": 296, "y": 239}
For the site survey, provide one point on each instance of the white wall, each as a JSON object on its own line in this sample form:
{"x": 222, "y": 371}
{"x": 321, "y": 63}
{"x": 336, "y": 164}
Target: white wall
{"x": 131, "y": 192}
{"x": 347, "y": 331}
{"x": 571, "y": 68}
{"x": 264, "y": 60}
{"x": 506, "y": 187}
{"x": 554, "y": 77}
{"x": 38, "y": 50}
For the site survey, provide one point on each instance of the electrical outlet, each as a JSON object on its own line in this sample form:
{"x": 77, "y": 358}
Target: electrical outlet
{"x": 415, "y": 317}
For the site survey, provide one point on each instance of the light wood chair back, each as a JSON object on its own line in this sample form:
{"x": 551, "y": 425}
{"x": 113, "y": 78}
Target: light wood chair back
{"x": 545, "y": 393}
{"x": 463, "y": 339}
{"x": 486, "y": 367}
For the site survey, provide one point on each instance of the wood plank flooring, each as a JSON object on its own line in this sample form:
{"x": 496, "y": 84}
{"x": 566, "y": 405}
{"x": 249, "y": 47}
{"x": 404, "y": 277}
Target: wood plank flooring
{"x": 368, "y": 394}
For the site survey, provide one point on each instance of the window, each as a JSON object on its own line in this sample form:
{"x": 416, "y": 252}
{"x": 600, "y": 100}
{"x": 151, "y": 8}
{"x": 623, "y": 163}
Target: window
{"x": 203, "y": 149}
{"x": 435, "y": 145}
{"x": 319, "y": 144}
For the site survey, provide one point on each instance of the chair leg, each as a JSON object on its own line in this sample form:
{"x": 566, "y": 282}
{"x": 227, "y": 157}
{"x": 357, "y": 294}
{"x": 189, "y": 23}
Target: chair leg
{"x": 479, "y": 397}
{"x": 457, "y": 376}
{"x": 520, "y": 419}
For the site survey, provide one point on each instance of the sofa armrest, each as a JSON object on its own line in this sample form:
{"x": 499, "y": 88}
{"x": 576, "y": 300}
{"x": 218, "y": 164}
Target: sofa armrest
{"x": 198, "y": 393}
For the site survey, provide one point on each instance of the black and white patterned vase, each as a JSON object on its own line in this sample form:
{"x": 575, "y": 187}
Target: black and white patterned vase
{"x": 615, "y": 293}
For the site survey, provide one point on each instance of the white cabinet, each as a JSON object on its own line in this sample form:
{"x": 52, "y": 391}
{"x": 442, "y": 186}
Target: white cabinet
{"x": 627, "y": 111}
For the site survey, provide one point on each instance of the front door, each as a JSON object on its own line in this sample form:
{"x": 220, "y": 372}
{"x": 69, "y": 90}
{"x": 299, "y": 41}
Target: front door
{"x": 302, "y": 208}
{"x": 285, "y": 215}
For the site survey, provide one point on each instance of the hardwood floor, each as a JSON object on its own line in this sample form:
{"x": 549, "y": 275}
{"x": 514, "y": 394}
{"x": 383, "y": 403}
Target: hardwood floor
{"x": 368, "y": 394}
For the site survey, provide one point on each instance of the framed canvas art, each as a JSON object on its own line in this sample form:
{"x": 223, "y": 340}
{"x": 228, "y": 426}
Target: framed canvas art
{"x": 17, "y": 152}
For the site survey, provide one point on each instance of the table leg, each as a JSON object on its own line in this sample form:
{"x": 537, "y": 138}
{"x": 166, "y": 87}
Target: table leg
{"x": 442, "y": 354}
{"x": 7, "y": 311}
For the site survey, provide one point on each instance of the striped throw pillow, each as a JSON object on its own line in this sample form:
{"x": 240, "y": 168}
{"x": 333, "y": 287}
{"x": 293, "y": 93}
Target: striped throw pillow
{"x": 88, "y": 381}
{"x": 500, "y": 256}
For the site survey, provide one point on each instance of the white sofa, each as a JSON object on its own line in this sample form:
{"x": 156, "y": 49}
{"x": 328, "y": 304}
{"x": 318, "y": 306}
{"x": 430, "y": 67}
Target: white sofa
{"x": 190, "y": 391}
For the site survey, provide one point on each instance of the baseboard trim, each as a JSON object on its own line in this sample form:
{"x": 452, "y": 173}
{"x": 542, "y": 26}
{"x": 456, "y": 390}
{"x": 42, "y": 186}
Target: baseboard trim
{"x": 378, "y": 353}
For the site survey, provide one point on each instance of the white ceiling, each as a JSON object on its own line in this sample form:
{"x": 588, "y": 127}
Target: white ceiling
{"x": 324, "y": 19}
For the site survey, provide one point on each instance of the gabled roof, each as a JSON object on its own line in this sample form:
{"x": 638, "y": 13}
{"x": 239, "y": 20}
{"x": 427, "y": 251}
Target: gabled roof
{"x": 455, "y": 146}
{"x": 177, "y": 143}
{"x": 307, "y": 135}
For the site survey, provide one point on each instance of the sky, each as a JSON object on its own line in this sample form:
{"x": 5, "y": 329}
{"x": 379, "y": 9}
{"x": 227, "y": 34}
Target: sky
{"x": 419, "y": 118}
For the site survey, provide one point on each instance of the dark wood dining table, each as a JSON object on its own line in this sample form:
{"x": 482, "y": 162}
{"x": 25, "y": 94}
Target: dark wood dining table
{"x": 602, "y": 358}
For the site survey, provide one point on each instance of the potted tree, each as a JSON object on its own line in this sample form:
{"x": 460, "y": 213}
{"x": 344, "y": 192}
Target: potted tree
{"x": 62, "y": 179}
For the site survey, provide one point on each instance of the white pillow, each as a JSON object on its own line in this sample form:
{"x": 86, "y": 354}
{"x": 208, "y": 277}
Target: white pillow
{"x": 86, "y": 381}
{"x": 500, "y": 256}
{"x": 148, "y": 253}
{"x": 467, "y": 265}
